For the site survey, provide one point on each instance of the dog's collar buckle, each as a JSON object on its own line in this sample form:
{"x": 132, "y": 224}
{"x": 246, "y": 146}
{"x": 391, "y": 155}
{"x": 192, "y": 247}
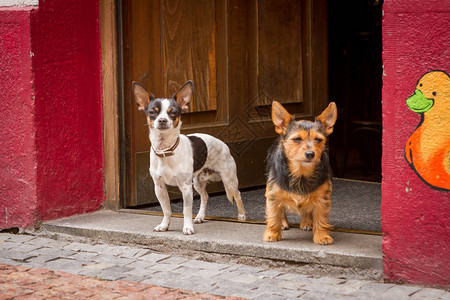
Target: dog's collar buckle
{"x": 168, "y": 151}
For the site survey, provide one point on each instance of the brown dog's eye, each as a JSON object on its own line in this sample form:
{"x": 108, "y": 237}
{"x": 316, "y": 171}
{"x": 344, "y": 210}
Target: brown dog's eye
{"x": 317, "y": 140}
{"x": 152, "y": 113}
{"x": 297, "y": 139}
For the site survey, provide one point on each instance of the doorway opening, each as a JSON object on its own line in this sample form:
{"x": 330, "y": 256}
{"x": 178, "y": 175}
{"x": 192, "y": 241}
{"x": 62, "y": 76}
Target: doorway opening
{"x": 354, "y": 83}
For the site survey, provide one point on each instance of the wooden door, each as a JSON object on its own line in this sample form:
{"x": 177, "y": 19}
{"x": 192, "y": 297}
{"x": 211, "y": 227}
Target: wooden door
{"x": 241, "y": 55}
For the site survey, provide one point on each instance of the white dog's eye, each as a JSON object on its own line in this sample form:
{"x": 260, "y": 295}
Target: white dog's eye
{"x": 173, "y": 114}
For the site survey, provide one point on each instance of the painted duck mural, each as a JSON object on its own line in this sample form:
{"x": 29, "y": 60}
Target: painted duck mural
{"x": 427, "y": 150}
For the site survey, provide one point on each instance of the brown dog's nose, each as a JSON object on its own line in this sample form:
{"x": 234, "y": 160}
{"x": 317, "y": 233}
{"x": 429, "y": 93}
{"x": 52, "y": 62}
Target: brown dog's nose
{"x": 310, "y": 154}
{"x": 162, "y": 121}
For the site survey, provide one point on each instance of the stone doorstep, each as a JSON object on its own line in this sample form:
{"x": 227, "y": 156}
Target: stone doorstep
{"x": 349, "y": 249}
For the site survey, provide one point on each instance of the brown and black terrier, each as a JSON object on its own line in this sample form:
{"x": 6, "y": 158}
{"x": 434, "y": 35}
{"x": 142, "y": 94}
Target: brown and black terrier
{"x": 299, "y": 174}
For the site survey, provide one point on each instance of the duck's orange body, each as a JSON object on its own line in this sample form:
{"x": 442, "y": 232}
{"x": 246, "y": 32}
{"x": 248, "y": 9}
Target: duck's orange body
{"x": 428, "y": 148}
{"x": 432, "y": 167}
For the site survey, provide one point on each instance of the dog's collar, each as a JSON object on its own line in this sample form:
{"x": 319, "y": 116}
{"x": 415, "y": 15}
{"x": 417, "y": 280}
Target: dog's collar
{"x": 168, "y": 151}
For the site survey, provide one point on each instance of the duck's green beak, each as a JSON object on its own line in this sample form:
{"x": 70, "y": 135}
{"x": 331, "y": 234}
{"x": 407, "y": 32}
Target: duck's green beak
{"x": 418, "y": 103}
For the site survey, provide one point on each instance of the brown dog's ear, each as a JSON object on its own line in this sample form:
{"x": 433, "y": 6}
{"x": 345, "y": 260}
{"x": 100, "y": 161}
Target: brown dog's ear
{"x": 141, "y": 95}
{"x": 184, "y": 95}
{"x": 280, "y": 117}
{"x": 328, "y": 118}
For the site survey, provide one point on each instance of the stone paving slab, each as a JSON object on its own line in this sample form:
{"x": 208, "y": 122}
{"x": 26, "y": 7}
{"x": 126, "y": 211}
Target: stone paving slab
{"x": 169, "y": 276}
{"x": 348, "y": 250}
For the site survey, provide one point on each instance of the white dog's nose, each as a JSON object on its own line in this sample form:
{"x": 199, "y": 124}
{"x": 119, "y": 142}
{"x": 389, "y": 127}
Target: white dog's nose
{"x": 162, "y": 121}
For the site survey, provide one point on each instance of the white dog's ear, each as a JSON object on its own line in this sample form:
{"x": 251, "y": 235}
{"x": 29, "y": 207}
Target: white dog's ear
{"x": 141, "y": 95}
{"x": 184, "y": 95}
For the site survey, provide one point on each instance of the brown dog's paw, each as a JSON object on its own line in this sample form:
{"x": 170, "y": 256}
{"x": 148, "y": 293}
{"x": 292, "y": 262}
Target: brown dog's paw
{"x": 307, "y": 227}
{"x": 306, "y": 224}
{"x": 284, "y": 225}
{"x": 323, "y": 239}
{"x": 272, "y": 236}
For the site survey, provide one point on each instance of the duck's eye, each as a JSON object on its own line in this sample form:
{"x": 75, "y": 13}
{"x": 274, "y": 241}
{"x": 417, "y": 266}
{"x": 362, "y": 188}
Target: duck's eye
{"x": 420, "y": 85}
{"x": 297, "y": 140}
{"x": 318, "y": 140}
{"x": 434, "y": 93}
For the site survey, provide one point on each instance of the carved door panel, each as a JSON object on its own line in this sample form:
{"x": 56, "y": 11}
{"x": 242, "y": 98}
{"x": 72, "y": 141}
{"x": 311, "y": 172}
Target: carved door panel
{"x": 241, "y": 55}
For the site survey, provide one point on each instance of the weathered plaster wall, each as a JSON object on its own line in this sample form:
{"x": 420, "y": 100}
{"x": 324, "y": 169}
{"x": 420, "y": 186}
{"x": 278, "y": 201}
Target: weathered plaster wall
{"x": 67, "y": 66}
{"x": 414, "y": 215}
{"x": 19, "y": 2}
{"x": 18, "y": 198}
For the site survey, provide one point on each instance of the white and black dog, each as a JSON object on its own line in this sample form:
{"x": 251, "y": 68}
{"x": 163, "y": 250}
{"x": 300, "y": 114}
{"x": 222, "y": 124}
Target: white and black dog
{"x": 177, "y": 159}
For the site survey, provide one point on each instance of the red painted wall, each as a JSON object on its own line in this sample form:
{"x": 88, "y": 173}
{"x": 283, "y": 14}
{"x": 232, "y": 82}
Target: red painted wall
{"x": 414, "y": 215}
{"x": 65, "y": 38}
{"x": 18, "y": 200}
{"x": 51, "y": 105}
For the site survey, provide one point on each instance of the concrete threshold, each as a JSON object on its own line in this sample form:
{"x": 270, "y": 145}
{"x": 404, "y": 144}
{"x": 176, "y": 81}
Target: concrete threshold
{"x": 349, "y": 249}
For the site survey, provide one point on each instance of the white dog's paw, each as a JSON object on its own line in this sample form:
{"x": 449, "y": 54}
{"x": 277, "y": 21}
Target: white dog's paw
{"x": 199, "y": 219}
{"x": 187, "y": 230}
{"x": 161, "y": 227}
{"x": 242, "y": 217}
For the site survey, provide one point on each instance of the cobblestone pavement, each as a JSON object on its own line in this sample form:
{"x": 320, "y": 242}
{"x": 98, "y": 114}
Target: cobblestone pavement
{"x": 107, "y": 271}
{"x": 18, "y": 282}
